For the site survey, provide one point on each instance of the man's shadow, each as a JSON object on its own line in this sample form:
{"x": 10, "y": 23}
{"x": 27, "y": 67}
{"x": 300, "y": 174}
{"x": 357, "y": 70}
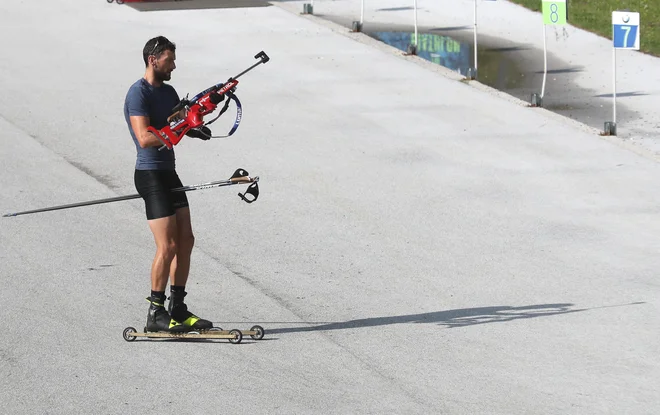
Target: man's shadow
{"x": 461, "y": 317}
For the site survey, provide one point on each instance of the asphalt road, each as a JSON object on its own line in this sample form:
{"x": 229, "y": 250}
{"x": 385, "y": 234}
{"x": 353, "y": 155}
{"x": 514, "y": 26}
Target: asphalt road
{"x": 579, "y": 82}
{"x": 420, "y": 245}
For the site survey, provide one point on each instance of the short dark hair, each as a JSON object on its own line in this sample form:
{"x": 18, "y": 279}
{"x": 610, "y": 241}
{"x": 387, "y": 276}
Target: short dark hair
{"x": 155, "y": 47}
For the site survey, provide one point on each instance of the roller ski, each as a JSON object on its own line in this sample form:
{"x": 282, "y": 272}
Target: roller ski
{"x": 234, "y": 336}
{"x": 178, "y": 322}
{"x": 179, "y": 312}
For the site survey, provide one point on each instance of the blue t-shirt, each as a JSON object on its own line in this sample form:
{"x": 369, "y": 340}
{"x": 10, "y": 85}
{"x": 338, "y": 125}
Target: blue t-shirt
{"x": 156, "y": 103}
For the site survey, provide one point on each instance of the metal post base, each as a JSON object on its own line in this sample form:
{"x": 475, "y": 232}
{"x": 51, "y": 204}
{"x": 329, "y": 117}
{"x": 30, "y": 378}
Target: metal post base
{"x": 537, "y": 101}
{"x": 412, "y": 50}
{"x": 610, "y": 128}
{"x": 308, "y": 9}
{"x": 471, "y": 73}
{"x": 357, "y": 26}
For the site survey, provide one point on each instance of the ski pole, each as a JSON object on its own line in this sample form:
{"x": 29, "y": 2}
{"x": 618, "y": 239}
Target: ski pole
{"x": 239, "y": 177}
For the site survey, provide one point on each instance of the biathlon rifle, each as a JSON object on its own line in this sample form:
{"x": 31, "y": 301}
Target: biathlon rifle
{"x": 189, "y": 114}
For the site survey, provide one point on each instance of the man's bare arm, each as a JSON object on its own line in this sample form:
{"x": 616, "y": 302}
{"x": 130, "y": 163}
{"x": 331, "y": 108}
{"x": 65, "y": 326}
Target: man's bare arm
{"x": 144, "y": 137}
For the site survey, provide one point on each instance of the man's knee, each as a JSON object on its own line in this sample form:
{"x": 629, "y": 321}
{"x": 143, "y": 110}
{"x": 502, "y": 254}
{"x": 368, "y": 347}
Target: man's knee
{"x": 167, "y": 250}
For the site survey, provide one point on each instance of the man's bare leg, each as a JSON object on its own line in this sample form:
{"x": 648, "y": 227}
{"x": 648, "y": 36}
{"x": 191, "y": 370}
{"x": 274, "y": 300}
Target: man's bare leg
{"x": 179, "y": 271}
{"x": 165, "y": 236}
{"x": 180, "y": 266}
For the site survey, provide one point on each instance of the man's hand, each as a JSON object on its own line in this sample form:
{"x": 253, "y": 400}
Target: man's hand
{"x": 179, "y": 115}
{"x": 203, "y": 133}
{"x": 216, "y": 98}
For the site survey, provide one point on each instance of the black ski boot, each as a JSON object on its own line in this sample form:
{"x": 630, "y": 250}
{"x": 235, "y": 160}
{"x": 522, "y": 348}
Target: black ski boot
{"x": 179, "y": 311}
{"x": 158, "y": 319}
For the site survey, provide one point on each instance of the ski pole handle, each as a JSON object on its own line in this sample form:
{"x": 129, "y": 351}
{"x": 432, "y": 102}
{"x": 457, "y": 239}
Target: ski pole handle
{"x": 252, "y": 190}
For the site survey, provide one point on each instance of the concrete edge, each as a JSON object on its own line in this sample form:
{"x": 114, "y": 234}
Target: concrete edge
{"x": 627, "y": 144}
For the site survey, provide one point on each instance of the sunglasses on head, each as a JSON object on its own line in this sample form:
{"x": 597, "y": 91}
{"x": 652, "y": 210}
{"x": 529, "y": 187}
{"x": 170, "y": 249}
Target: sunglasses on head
{"x": 154, "y": 49}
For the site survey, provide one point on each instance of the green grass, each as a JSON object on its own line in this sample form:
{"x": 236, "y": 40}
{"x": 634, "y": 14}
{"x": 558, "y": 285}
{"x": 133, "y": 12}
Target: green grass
{"x": 596, "y": 16}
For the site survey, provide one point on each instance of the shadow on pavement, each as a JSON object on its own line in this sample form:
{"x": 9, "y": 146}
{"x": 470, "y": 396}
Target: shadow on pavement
{"x": 449, "y": 318}
{"x": 623, "y": 94}
{"x": 151, "y": 5}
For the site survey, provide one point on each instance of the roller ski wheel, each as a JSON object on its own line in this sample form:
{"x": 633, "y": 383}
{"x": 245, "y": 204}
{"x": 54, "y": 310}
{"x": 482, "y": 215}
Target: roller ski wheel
{"x": 238, "y": 336}
{"x": 259, "y": 332}
{"x": 127, "y": 334}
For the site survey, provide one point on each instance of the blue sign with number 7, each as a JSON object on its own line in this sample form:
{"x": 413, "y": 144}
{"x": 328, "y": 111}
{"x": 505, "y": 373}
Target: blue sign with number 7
{"x": 625, "y": 36}
{"x": 625, "y": 30}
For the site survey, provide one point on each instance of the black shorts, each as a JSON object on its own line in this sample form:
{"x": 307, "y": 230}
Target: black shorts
{"x": 154, "y": 187}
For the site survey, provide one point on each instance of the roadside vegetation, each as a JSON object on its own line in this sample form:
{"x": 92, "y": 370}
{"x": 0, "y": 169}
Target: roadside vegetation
{"x": 596, "y": 17}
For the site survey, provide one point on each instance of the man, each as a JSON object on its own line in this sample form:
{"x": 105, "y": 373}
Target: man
{"x": 150, "y": 101}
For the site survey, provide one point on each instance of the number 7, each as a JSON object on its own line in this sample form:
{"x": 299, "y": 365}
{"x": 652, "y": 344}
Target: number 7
{"x": 625, "y": 38}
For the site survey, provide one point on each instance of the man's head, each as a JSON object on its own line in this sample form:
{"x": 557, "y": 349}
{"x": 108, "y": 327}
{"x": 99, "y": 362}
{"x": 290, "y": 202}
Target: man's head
{"x": 159, "y": 56}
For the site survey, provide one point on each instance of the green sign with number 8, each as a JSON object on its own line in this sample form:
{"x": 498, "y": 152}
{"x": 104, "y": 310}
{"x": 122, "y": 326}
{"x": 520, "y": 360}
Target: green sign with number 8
{"x": 554, "y": 12}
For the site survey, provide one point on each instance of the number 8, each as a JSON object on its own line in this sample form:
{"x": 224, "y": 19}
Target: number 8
{"x": 554, "y": 16}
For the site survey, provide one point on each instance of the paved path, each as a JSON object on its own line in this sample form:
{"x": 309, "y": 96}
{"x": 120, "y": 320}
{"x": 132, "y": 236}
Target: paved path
{"x": 580, "y": 78}
{"x": 402, "y": 258}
